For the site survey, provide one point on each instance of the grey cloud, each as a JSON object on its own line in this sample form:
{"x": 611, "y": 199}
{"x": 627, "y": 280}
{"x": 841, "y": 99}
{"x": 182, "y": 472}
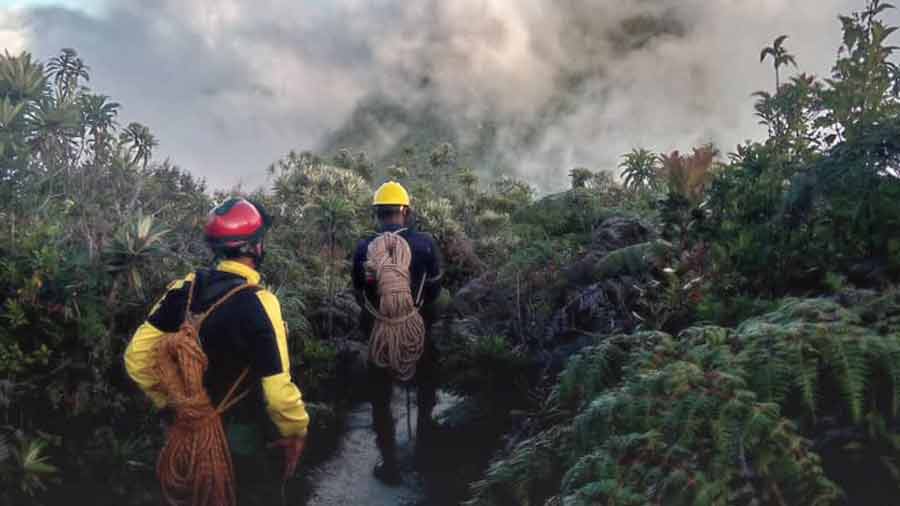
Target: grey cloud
{"x": 538, "y": 86}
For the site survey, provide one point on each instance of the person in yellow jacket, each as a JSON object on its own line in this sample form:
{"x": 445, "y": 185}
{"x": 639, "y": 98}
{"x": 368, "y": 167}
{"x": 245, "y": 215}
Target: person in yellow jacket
{"x": 246, "y": 332}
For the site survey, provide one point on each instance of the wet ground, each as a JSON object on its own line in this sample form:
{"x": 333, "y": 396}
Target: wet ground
{"x": 346, "y": 477}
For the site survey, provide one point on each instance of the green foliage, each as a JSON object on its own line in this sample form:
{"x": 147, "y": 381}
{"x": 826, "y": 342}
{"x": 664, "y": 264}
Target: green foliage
{"x": 780, "y": 57}
{"x": 488, "y": 367}
{"x": 863, "y": 87}
{"x": 730, "y": 311}
{"x": 705, "y": 418}
{"x": 26, "y": 468}
{"x": 715, "y": 416}
{"x": 315, "y": 364}
{"x": 572, "y": 214}
{"x": 669, "y": 302}
{"x": 580, "y": 177}
{"x": 640, "y": 170}
{"x": 529, "y": 471}
{"x": 133, "y": 246}
{"x": 88, "y": 221}
{"x": 630, "y": 260}
{"x": 817, "y": 197}
{"x": 821, "y": 336}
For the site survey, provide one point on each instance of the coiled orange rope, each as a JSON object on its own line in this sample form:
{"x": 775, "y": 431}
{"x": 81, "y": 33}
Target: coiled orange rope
{"x": 398, "y": 336}
{"x": 194, "y": 466}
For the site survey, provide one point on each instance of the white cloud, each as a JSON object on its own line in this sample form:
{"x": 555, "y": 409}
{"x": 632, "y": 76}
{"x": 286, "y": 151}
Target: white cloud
{"x": 13, "y": 37}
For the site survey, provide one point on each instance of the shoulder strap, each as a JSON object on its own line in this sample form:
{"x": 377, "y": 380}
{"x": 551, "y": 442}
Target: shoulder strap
{"x": 418, "y": 301}
{"x": 231, "y": 293}
{"x": 230, "y": 398}
{"x": 190, "y": 299}
{"x": 392, "y": 232}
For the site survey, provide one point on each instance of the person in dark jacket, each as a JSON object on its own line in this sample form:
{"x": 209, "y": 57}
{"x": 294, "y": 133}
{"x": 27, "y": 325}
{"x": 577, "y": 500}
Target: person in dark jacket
{"x": 246, "y": 332}
{"x": 391, "y": 203}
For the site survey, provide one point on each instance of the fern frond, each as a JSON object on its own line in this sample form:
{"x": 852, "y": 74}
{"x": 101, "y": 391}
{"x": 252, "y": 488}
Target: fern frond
{"x": 851, "y": 372}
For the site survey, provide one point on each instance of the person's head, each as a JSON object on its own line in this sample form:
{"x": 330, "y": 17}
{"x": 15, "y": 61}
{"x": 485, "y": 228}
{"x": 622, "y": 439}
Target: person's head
{"x": 235, "y": 230}
{"x": 391, "y": 204}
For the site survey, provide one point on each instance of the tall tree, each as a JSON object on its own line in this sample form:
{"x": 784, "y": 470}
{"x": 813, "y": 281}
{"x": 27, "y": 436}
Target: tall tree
{"x": 580, "y": 177}
{"x": 68, "y": 69}
{"x": 640, "y": 170}
{"x": 99, "y": 117}
{"x": 141, "y": 142}
{"x": 780, "y": 57}
{"x": 21, "y": 78}
{"x": 864, "y": 88}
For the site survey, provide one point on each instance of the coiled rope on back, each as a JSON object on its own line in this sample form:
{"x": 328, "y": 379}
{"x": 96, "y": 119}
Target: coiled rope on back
{"x": 398, "y": 336}
{"x": 194, "y": 466}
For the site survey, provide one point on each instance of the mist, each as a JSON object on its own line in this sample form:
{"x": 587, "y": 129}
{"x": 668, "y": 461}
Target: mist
{"x": 526, "y": 86}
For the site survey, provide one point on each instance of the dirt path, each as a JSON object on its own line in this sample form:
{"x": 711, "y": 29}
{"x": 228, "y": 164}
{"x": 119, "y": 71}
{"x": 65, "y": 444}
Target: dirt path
{"x": 346, "y": 478}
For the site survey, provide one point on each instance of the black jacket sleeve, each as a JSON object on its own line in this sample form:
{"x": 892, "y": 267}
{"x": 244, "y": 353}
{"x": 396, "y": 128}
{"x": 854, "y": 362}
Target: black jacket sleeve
{"x": 433, "y": 272}
{"x": 359, "y": 271}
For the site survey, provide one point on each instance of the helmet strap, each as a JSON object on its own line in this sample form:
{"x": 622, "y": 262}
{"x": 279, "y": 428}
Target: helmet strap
{"x": 254, "y": 250}
{"x": 259, "y": 253}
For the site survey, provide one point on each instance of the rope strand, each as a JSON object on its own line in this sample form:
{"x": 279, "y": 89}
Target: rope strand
{"x": 398, "y": 336}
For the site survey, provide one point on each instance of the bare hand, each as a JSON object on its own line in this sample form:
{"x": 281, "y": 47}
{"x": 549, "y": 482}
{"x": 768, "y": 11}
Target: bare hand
{"x": 293, "y": 448}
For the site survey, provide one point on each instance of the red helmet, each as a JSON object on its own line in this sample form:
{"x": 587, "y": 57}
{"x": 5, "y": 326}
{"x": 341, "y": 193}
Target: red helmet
{"x": 235, "y": 224}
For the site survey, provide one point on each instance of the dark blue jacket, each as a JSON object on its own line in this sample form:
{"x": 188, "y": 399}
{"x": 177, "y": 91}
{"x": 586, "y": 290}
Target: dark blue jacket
{"x": 426, "y": 262}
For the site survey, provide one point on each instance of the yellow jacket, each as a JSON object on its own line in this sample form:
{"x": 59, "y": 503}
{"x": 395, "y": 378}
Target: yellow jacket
{"x": 246, "y": 331}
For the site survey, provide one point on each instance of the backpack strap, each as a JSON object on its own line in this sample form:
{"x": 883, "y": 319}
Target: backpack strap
{"x": 201, "y": 317}
{"x": 418, "y": 301}
{"x": 231, "y": 293}
{"x": 190, "y": 299}
{"x": 231, "y": 398}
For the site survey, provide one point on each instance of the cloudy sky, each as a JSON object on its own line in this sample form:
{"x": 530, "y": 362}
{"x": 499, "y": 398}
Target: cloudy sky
{"x": 228, "y": 86}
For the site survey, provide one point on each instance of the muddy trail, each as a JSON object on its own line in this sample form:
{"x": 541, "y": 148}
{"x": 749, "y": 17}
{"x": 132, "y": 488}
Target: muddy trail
{"x": 345, "y": 477}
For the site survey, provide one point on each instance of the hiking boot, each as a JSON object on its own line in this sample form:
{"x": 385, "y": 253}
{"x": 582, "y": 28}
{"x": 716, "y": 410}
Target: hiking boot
{"x": 422, "y": 459}
{"x": 426, "y": 439}
{"x": 387, "y": 474}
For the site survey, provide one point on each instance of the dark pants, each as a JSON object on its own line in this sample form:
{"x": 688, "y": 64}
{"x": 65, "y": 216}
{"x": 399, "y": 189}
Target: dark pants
{"x": 257, "y": 481}
{"x": 257, "y": 475}
{"x": 381, "y": 384}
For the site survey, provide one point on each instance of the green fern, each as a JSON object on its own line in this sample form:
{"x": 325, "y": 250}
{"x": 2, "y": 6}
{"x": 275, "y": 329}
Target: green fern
{"x": 591, "y": 371}
{"x": 792, "y": 349}
{"x": 701, "y": 419}
{"x": 531, "y": 463}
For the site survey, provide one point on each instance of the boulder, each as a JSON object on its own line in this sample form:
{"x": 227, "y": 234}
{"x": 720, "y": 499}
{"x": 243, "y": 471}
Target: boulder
{"x": 338, "y": 320}
{"x": 619, "y": 245}
{"x": 619, "y": 232}
{"x": 869, "y": 273}
{"x": 476, "y": 296}
{"x": 449, "y": 334}
{"x": 604, "y": 307}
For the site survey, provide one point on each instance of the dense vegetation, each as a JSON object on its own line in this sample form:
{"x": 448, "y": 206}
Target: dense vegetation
{"x": 703, "y": 329}
{"x": 798, "y": 403}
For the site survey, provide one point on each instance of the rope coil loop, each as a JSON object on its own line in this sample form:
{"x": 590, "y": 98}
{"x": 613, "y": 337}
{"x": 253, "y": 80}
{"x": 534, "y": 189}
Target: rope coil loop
{"x": 398, "y": 336}
{"x": 194, "y": 466}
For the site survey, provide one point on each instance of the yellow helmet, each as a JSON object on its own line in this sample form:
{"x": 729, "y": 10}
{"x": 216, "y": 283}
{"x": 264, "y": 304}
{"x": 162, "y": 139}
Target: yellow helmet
{"x": 391, "y": 193}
